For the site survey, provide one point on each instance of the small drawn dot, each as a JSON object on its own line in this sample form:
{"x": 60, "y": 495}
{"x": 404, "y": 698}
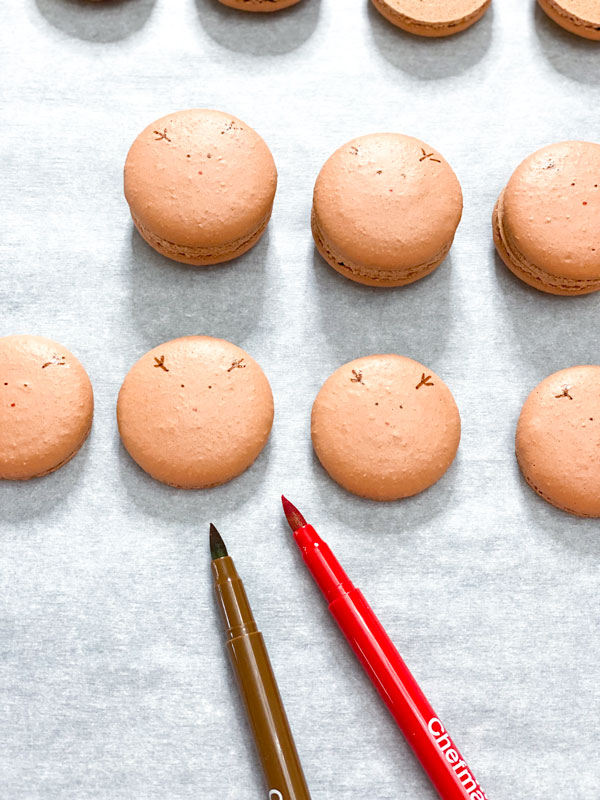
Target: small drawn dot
{"x": 199, "y": 172}
{"x": 208, "y": 155}
{"x": 210, "y": 387}
{"x": 584, "y": 203}
{"x": 5, "y": 383}
{"x": 183, "y": 386}
{"x": 591, "y": 419}
{"x": 376, "y": 404}
{"x": 188, "y": 156}
{"x": 391, "y": 190}
{"x": 379, "y": 171}
{"x": 572, "y": 184}
{"x": 12, "y": 405}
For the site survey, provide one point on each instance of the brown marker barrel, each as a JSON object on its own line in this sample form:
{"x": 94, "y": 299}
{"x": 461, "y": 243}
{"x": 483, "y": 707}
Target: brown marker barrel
{"x": 256, "y": 681}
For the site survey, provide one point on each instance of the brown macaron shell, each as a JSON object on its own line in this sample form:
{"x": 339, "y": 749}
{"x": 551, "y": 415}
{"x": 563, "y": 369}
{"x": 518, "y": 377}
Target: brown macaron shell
{"x": 385, "y": 427}
{"x": 432, "y": 18}
{"x": 581, "y": 17}
{"x": 259, "y": 5}
{"x": 200, "y": 186}
{"x": 558, "y": 440}
{"x": 385, "y": 209}
{"x": 46, "y": 406}
{"x": 546, "y": 222}
{"x": 195, "y": 412}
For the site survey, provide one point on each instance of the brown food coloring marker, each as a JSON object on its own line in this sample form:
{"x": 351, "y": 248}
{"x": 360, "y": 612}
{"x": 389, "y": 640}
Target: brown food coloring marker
{"x": 256, "y": 681}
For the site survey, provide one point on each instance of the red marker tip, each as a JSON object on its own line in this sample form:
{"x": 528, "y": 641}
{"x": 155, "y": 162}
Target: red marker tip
{"x": 293, "y": 516}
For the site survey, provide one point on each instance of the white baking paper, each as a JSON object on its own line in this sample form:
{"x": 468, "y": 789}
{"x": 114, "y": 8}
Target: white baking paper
{"x": 114, "y": 683}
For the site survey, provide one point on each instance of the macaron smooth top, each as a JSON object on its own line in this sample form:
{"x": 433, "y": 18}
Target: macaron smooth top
{"x": 195, "y": 412}
{"x": 46, "y": 406}
{"x": 548, "y": 218}
{"x": 385, "y": 427}
{"x": 200, "y": 179}
{"x": 581, "y": 17}
{"x": 385, "y": 209}
{"x": 558, "y": 440}
{"x": 433, "y": 17}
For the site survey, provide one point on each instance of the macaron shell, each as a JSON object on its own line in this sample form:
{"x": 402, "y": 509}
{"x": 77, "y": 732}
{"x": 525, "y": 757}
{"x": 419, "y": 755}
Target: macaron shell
{"x": 535, "y": 278}
{"x": 365, "y": 275}
{"x": 551, "y": 210}
{"x": 195, "y": 412}
{"x": 581, "y": 17}
{"x": 200, "y": 178}
{"x": 432, "y": 18}
{"x": 387, "y": 202}
{"x": 46, "y": 406}
{"x": 201, "y": 256}
{"x": 385, "y": 427}
{"x": 259, "y": 5}
{"x": 558, "y": 440}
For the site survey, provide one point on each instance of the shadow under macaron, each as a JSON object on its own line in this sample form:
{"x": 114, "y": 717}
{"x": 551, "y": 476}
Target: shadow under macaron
{"x": 575, "y": 533}
{"x": 21, "y": 501}
{"x": 415, "y": 320}
{"x": 404, "y": 515}
{"x": 259, "y": 34}
{"x": 105, "y": 21}
{"x": 168, "y": 299}
{"x": 551, "y": 331}
{"x": 569, "y": 54}
{"x": 431, "y": 58}
{"x": 198, "y": 507}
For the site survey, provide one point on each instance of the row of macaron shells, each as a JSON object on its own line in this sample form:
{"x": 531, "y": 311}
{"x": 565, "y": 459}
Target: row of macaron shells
{"x": 201, "y": 184}
{"x": 196, "y": 412}
{"x": 446, "y": 17}
{"x": 432, "y": 18}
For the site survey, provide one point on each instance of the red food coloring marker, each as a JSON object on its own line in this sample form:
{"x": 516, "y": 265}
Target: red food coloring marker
{"x": 424, "y": 732}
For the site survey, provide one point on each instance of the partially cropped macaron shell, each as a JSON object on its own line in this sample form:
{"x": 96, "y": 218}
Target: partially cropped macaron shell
{"x": 432, "y": 17}
{"x": 581, "y": 17}
{"x": 259, "y": 5}
{"x": 195, "y": 412}
{"x": 385, "y": 427}
{"x": 388, "y": 205}
{"x": 548, "y": 216}
{"x": 46, "y": 406}
{"x": 558, "y": 440}
{"x": 202, "y": 180}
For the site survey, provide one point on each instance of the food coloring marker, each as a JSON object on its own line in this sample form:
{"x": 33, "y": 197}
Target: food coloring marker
{"x": 429, "y": 739}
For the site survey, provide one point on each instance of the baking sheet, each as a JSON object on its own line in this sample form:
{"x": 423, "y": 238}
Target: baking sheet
{"x": 113, "y": 678}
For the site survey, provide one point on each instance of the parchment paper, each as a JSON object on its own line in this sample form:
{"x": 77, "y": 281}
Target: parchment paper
{"x": 114, "y": 682}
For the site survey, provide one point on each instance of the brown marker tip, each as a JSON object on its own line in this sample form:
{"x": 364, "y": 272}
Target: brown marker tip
{"x": 293, "y": 516}
{"x": 217, "y": 545}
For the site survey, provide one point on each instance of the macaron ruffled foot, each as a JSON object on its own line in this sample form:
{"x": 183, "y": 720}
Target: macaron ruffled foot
{"x": 385, "y": 209}
{"x": 432, "y": 18}
{"x": 546, "y": 223}
{"x": 581, "y": 17}
{"x": 200, "y": 186}
{"x": 264, "y": 6}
